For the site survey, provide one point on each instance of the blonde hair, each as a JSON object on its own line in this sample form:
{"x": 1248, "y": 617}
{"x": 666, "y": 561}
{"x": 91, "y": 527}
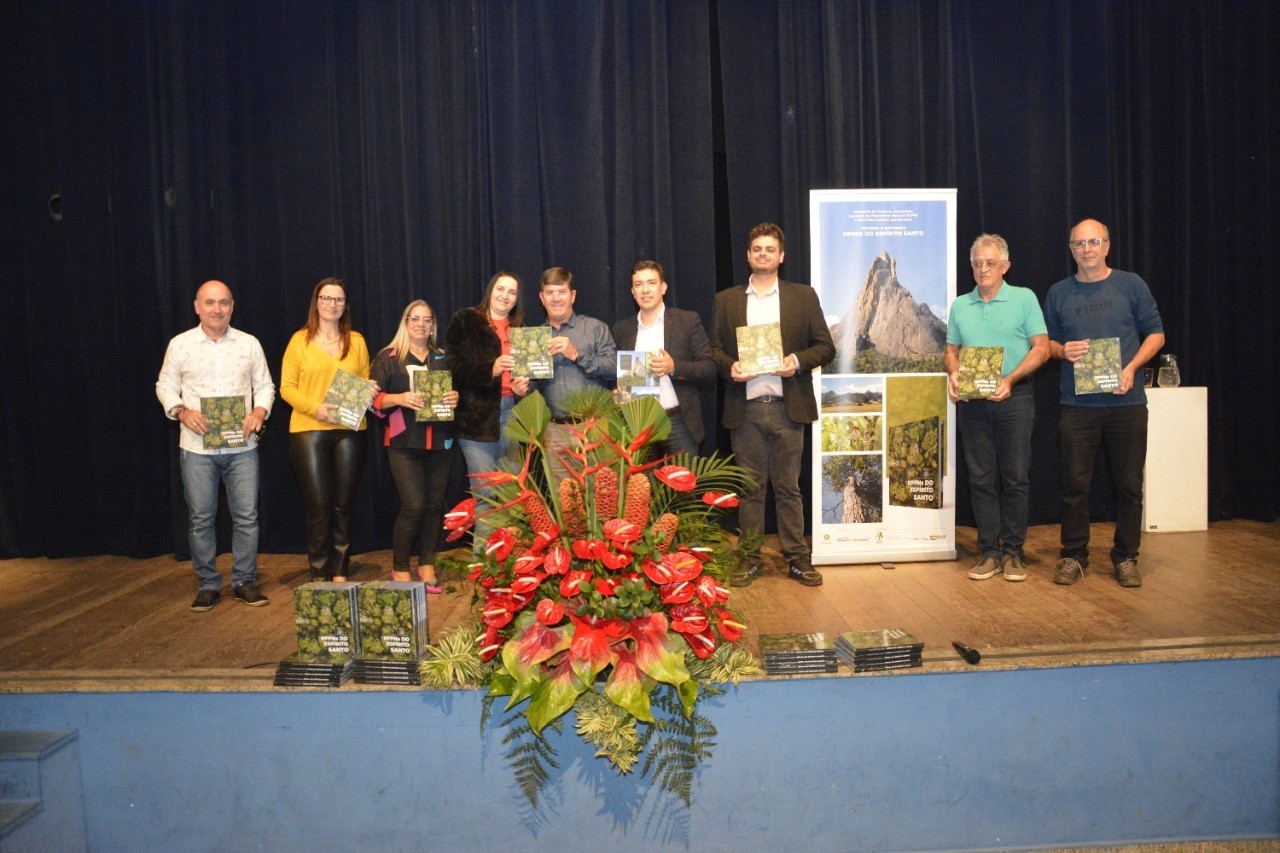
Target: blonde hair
{"x": 399, "y": 344}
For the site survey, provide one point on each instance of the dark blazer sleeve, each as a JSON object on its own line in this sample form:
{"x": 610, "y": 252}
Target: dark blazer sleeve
{"x": 804, "y": 334}
{"x": 690, "y": 349}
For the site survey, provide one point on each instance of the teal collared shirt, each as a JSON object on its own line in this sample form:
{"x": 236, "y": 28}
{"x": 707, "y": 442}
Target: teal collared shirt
{"x": 1010, "y": 320}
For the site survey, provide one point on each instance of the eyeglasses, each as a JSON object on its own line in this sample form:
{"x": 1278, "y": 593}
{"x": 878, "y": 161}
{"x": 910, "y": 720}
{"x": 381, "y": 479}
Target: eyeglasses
{"x": 430, "y": 321}
{"x": 332, "y": 300}
{"x": 986, "y": 265}
{"x": 1095, "y": 242}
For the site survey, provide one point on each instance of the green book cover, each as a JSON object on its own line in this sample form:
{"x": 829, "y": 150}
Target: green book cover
{"x": 393, "y": 620}
{"x": 432, "y": 385}
{"x": 771, "y": 643}
{"x": 759, "y": 348}
{"x": 914, "y": 459}
{"x": 351, "y": 396}
{"x": 1098, "y": 370}
{"x": 980, "y": 371}
{"x": 531, "y": 349}
{"x": 325, "y": 613}
{"x": 224, "y": 417}
{"x": 882, "y": 638}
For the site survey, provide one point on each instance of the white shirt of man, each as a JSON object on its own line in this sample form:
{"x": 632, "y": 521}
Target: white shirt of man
{"x": 196, "y": 366}
{"x": 761, "y": 309}
{"x": 651, "y": 339}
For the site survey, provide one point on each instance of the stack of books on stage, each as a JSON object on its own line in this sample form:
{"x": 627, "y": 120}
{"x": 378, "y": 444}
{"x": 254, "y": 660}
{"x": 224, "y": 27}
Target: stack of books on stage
{"x": 324, "y": 613}
{"x": 393, "y": 632}
{"x": 293, "y": 671}
{"x": 797, "y": 654}
{"x": 874, "y": 651}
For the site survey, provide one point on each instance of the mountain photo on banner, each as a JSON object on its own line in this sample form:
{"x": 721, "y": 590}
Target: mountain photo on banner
{"x": 889, "y": 259}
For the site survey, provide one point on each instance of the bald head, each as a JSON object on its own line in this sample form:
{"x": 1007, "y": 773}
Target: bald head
{"x": 214, "y": 305}
{"x": 1090, "y": 242}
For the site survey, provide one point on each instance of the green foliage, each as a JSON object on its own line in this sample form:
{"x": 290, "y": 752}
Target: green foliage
{"x": 867, "y": 473}
{"x": 715, "y": 473}
{"x": 729, "y": 665}
{"x": 871, "y": 361}
{"x": 1098, "y": 370}
{"x": 224, "y": 417}
{"x": 844, "y": 434}
{"x": 675, "y": 744}
{"x": 915, "y": 472}
{"x": 455, "y": 660}
{"x": 609, "y": 728}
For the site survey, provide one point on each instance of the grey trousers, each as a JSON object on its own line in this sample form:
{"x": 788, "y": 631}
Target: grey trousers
{"x": 771, "y": 446}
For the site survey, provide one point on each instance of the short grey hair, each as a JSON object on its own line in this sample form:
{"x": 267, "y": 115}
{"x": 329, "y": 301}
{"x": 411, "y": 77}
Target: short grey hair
{"x": 996, "y": 240}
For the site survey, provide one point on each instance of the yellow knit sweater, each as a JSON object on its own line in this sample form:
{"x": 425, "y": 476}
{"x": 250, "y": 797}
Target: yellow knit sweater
{"x": 306, "y": 373}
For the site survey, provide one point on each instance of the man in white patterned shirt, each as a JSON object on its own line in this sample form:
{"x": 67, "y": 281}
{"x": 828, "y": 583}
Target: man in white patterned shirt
{"x": 211, "y": 361}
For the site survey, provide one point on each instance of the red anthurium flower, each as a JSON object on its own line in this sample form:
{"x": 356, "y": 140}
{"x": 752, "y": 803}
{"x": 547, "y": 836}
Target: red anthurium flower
{"x": 520, "y": 599}
{"x": 703, "y": 645}
{"x": 720, "y": 500}
{"x": 619, "y": 530}
{"x": 706, "y": 590}
{"x": 496, "y": 615}
{"x": 527, "y": 583}
{"x": 569, "y": 583}
{"x": 456, "y": 535}
{"x": 490, "y": 643}
{"x": 550, "y": 611}
{"x": 528, "y": 563}
{"x": 703, "y": 553}
{"x": 558, "y": 560}
{"x": 616, "y": 560}
{"x": 605, "y": 587}
{"x": 474, "y": 571}
{"x": 657, "y": 572}
{"x": 589, "y": 651}
{"x": 677, "y": 477}
{"x": 489, "y": 581}
{"x": 730, "y": 628}
{"x": 500, "y": 544}
{"x": 689, "y": 618}
{"x": 588, "y": 549}
{"x": 461, "y": 516}
{"x": 676, "y": 593}
{"x": 544, "y": 539}
{"x": 683, "y": 565}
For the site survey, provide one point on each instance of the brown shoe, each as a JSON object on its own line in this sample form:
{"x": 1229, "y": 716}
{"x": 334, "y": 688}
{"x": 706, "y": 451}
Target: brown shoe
{"x": 1127, "y": 573}
{"x": 1069, "y": 571}
{"x": 986, "y": 568}
{"x": 1013, "y": 568}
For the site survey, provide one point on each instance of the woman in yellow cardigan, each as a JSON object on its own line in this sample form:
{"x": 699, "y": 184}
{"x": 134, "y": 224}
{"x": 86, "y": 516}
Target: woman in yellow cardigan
{"x": 327, "y": 458}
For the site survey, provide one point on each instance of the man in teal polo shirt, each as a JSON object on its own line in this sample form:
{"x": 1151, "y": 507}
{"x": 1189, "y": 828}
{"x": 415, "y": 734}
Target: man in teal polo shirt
{"x": 996, "y": 432}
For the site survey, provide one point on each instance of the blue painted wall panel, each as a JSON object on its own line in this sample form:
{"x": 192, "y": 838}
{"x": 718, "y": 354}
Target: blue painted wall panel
{"x": 906, "y": 762}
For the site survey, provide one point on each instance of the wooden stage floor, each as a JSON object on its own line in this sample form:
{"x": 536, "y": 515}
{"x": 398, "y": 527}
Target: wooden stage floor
{"x": 111, "y": 623}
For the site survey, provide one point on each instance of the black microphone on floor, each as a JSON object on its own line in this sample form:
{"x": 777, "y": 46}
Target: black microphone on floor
{"x": 970, "y": 655}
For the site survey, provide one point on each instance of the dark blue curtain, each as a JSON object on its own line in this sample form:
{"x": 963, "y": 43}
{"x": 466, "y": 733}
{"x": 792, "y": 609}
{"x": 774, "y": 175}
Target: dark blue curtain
{"x": 415, "y": 148}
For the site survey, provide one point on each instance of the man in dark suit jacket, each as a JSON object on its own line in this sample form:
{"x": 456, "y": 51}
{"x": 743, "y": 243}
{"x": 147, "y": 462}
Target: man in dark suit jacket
{"x": 766, "y": 414}
{"x": 682, "y": 361}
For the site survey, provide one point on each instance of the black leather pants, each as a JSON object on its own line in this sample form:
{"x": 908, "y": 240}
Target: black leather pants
{"x": 328, "y": 464}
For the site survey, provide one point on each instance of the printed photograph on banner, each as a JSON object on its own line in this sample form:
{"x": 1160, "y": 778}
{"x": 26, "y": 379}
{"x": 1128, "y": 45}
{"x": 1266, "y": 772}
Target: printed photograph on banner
{"x": 852, "y": 488}
{"x": 847, "y": 395}
{"x": 885, "y": 272}
{"x": 851, "y": 433}
{"x": 915, "y": 444}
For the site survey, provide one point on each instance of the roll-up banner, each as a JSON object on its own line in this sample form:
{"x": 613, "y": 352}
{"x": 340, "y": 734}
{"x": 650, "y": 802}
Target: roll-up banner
{"x": 884, "y": 267}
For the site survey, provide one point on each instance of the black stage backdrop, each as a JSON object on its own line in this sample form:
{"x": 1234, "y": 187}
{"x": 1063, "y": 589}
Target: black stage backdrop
{"x": 415, "y": 148}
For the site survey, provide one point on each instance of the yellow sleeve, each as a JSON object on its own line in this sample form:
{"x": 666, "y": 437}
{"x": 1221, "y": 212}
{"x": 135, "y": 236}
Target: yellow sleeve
{"x": 293, "y": 375}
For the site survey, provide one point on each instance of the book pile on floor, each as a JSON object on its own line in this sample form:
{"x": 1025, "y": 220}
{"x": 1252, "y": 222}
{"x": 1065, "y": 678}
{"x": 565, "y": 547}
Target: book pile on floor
{"x": 293, "y": 672}
{"x": 873, "y": 651}
{"x": 328, "y": 636}
{"x": 797, "y": 654}
{"x": 393, "y": 632}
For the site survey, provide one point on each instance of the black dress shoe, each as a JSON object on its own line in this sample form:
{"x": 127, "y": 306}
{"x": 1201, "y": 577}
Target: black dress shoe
{"x": 805, "y": 574}
{"x": 205, "y": 599}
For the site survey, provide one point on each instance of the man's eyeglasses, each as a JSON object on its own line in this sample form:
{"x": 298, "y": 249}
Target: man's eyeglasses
{"x": 986, "y": 265}
{"x": 332, "y": 300}
{"x": 1095, "y": 242}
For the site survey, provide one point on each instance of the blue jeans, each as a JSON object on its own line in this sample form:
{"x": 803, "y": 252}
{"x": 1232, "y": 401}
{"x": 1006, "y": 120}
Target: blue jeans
{"x": 201, "y": 474}
{"x": 997, "y": 450}
{"x": 484, "y": 456}
{"x": 1123, "y": 431}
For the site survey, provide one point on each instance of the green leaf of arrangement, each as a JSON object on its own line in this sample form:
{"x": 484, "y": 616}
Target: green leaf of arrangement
{"x": 455, "y": 660}
{"x": 529, "y": 419}
{"x": 590, "y": 402}
{"x": 641, "y": 414}
{"x": 555, "y": 696}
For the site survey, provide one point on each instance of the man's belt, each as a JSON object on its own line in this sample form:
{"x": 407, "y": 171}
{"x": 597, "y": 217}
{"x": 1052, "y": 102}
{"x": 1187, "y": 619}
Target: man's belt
{"x": 766, "y": 398}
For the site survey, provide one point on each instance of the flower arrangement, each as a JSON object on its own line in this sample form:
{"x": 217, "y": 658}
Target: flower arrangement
{"x": 605, "y": 584}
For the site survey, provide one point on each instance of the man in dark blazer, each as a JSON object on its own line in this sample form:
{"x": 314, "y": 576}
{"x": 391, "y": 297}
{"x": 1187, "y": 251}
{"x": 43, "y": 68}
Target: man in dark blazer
{"x": 682, "y": 360}
{"x": 766, "y": 414}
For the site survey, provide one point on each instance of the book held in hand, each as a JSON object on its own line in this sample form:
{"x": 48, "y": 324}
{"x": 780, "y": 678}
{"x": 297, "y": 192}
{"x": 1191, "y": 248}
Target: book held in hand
{"x": 759, "y": 348}
{"x": 1098, "y": 370}
{"x": 635, "y": 379}
{"x": 980, "y": 371}
{"x": 224, "y": 417}
{"x": 350, "y": 396}
{"x": 432, "y": 385}
{"x": 531, "y": 349}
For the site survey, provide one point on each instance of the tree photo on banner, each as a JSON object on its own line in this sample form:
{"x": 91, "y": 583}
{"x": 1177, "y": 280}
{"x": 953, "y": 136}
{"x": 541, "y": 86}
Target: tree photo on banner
{"x": 883, "y": 271}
